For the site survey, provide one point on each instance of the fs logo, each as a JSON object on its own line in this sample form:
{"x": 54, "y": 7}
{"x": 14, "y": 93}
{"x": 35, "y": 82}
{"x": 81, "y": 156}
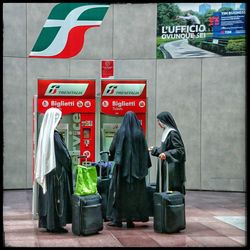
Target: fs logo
{"x": 62, "y": 35}
{"x": 111, "y": 89}
{"x": 53, "y": 89}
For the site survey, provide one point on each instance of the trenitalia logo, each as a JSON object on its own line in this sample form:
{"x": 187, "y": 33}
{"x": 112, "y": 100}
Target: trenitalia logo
{"x": 64, "y": 89}
{"x": 113, "y": 89}
{"x": 62, "y": 35}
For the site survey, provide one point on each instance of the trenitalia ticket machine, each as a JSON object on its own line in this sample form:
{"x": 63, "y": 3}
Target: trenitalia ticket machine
{"x": 118, "y": 97}
{"x": 76, "y": 99}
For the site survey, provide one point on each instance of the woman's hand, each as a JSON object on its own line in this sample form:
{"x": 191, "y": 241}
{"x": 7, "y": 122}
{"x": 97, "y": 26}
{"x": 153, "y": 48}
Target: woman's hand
{"x": 150, "y": 148}
{"x": 162, "y": 156}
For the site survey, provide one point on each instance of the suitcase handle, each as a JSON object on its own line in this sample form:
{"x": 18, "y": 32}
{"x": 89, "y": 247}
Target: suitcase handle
{"x": 100, "y": 165}
{"x": 103, "y": 153}
{"x": 160, "y": 176}
{"x": 159, "y": 170}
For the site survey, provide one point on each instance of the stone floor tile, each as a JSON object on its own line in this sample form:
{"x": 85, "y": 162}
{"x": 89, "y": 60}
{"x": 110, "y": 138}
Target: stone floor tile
{"x": 137, "y": 241}
{"x": 55, "y": 242}
{"x": 239, "y": 239}
{"x": 216, "y": 241}
{"x": 174, "y": 240}
{"x": 22, "y": 243}
{"x": 102, "y": 239}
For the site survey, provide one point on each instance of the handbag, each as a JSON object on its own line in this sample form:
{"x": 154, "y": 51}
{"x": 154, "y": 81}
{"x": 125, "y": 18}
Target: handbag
{"x": 86, "y": 180}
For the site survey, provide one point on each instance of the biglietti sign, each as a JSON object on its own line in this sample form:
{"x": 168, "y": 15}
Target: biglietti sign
{"x": 62, "y": 35}
{"x": 120, "y": 96}
{"x": 70, "y": 95}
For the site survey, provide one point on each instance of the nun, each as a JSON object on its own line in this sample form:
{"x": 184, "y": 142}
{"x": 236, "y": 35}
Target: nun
{"x": 127, "y": 194}
{"x": 53, "y": 173}
{"x": 171, "y": 151}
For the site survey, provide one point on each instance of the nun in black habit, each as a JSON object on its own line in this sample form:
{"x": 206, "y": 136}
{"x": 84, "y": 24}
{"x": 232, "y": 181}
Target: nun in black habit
{"x": 54, "y": 175}
{"x": 127, "y": 194}
{"x": 171, "y": 150}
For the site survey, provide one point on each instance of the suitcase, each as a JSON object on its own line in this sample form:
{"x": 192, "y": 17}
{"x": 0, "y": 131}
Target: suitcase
{"x": 151, "y": 189}
{"x": 103, "y": 181}
{"x": 169, "y": 209}
{"x": 86, "y": 214}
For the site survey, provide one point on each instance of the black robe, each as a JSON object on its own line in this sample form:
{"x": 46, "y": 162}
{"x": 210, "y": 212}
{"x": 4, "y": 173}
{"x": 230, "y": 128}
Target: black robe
{"x": 54, "y": 207}
{"x": 127, "y": 195}
{"x": 174, "y": 149}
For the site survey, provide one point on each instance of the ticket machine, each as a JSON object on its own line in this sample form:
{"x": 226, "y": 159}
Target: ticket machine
{"x": 76, "y": 99}
{"x": 118, "y": 97}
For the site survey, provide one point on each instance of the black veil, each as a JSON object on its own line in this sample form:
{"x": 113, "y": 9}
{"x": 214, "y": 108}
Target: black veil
{"x": 131, "y": 150}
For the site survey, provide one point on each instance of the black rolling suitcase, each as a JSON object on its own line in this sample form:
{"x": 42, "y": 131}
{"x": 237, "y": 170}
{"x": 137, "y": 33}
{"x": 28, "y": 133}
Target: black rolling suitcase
{"x": 169, "y": 209}
{"x": 151, "y": 189}
{"x": 86, "y": 214}
{"x": 103, "y": 180}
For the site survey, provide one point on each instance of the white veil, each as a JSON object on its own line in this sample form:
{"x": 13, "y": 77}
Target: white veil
{"x": 45, "y": 154}
{"x": 166, "y": 130}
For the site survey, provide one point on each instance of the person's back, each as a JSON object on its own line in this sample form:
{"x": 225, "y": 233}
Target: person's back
{"x": 128, "y": 187}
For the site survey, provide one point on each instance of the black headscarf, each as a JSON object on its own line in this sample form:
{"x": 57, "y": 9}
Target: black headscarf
{"x": 131, "y": 150}
{"x": 167, "y": 119}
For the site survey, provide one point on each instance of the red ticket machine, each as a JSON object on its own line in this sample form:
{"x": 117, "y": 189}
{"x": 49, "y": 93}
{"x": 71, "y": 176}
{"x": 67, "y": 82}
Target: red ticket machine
{"x": 76, "y": 99}
{"x": 118, "y": 97}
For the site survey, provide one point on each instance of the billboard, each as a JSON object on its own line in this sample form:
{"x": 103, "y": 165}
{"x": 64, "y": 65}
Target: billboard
{"x": 190, "y": 30}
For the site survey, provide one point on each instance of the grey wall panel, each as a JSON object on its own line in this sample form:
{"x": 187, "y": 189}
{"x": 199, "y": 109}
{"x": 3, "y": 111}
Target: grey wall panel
{"x": 14, "y": 123}
{"x": 37, "y": 14}
{"x": 86, "y": 69}
{"x": 223, "y": 124}
{"x": 178, "y": 91}
{"x": 14, "y": 26}
{"x": 39, "y": 68}
{"x": 44, "y": 68}
{"x": 134, "y": 31}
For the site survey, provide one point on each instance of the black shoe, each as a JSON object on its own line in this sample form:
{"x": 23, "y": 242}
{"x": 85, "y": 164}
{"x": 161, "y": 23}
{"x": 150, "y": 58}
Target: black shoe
{"x": 58, "y": 230}
{"x": 130, "y": 224}
{"x": 115, "y": 224}
{"x": 62, "y": 230}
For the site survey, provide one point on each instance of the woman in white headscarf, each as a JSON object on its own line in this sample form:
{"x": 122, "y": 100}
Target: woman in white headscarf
{"x": 171, "y": 150}
{"x": 53, "y": 173}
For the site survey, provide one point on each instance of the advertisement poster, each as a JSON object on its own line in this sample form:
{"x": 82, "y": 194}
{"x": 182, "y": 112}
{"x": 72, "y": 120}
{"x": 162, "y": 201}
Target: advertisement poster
{"x": 190, "y": 30}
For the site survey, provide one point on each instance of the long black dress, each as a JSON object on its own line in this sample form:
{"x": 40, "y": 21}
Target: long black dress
{"x": 127, "y": 195}
{"x": 174, "y": 149}
{"x": 55, "y": 205}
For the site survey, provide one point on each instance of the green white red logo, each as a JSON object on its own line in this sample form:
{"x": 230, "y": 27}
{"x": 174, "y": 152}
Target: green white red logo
{"x": 125, "y": 89}
{"x": 65, "y": 89}
{"x": 62, "y": 35}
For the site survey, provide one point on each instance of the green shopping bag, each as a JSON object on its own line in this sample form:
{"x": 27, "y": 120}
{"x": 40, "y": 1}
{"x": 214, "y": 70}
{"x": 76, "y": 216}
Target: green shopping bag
{"x": 86, "y": 180}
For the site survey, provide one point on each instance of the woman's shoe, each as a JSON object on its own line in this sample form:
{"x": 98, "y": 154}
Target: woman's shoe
{"x": 58, "y": 230}
{"x": 62, "y": 230}
{"x": 115, "y": 224}
{"x": 130, "y": 224}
